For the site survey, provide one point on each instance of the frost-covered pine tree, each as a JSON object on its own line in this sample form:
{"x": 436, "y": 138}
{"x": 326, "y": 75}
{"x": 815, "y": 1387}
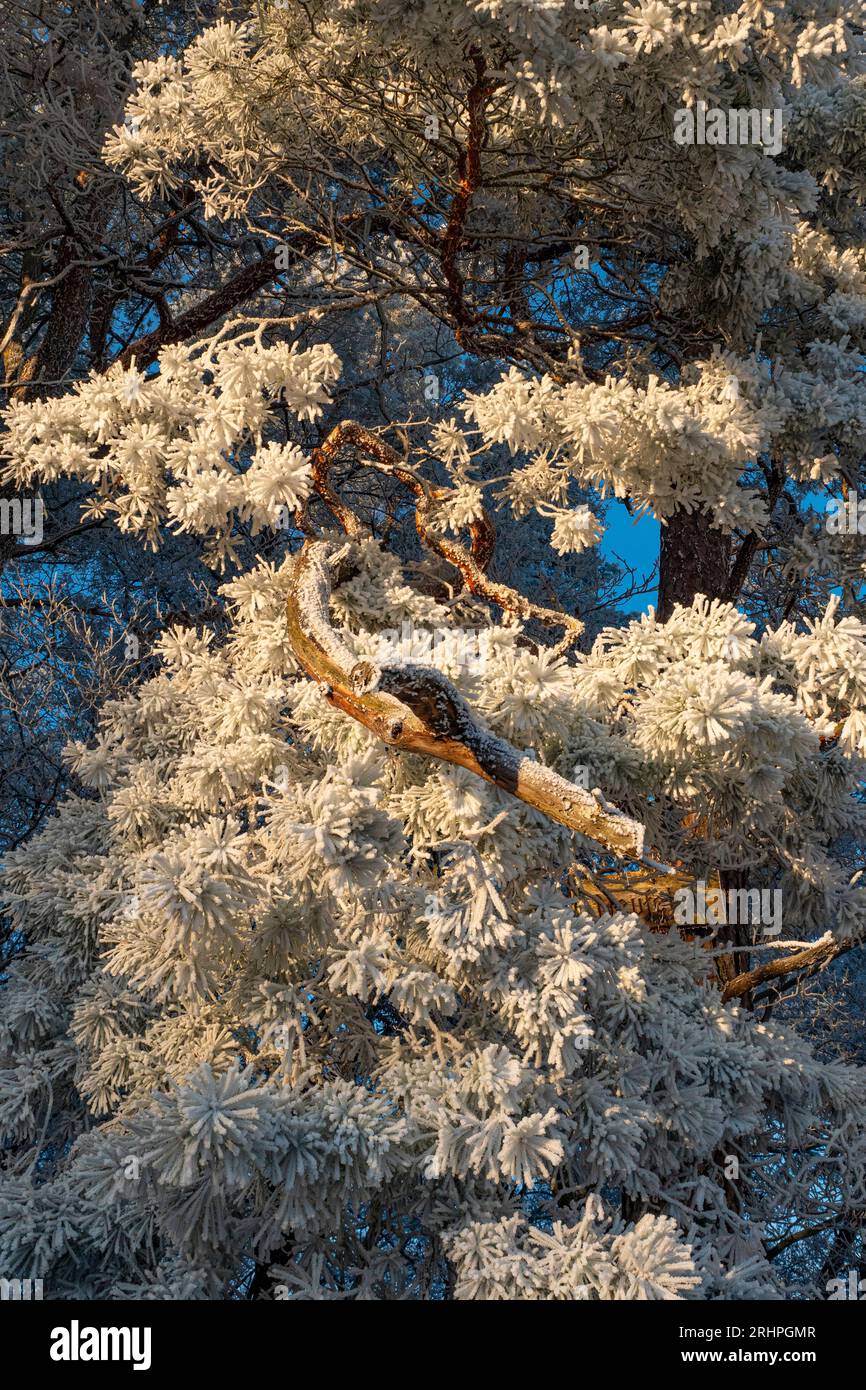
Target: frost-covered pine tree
{"x": 394, "y": 945}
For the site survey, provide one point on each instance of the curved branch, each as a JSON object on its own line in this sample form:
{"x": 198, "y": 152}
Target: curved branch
{"x": 321, "y": 459}
{"x": 471, "y": 564}
{"x": 418, "y": 710}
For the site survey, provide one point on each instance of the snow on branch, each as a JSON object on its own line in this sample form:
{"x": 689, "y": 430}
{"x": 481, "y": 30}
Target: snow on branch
{"x": 816, "y": 956}
{"x": 418, "y": 710}
{"x": 471, "y": 564}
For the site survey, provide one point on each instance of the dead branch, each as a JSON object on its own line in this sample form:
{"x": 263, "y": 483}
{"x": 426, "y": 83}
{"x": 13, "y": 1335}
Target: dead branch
{"x": 815, "y": 957}
{"x": 417, "y": 710}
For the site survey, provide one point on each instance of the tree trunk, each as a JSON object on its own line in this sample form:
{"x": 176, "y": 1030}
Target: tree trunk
{"x": 694, "y": 559}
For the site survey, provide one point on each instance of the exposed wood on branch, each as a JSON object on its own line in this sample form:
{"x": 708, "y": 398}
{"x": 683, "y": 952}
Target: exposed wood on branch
{"x": 650, "y": 896}
{"x": 418, "y": 710}
{"x": 248, "y": 281}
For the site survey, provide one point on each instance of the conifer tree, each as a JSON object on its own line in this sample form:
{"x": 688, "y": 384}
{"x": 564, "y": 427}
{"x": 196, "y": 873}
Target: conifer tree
{"x": 361, "y": 964}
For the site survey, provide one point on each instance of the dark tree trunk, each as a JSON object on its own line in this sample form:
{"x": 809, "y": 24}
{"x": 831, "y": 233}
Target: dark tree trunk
{"x": 694, "y": 559}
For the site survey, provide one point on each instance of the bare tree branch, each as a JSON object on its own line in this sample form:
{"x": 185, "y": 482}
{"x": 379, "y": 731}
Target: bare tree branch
{"x": 417, "y": 710}
{"x": 815, "y": 957}
{"x": 471, "y": 564}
